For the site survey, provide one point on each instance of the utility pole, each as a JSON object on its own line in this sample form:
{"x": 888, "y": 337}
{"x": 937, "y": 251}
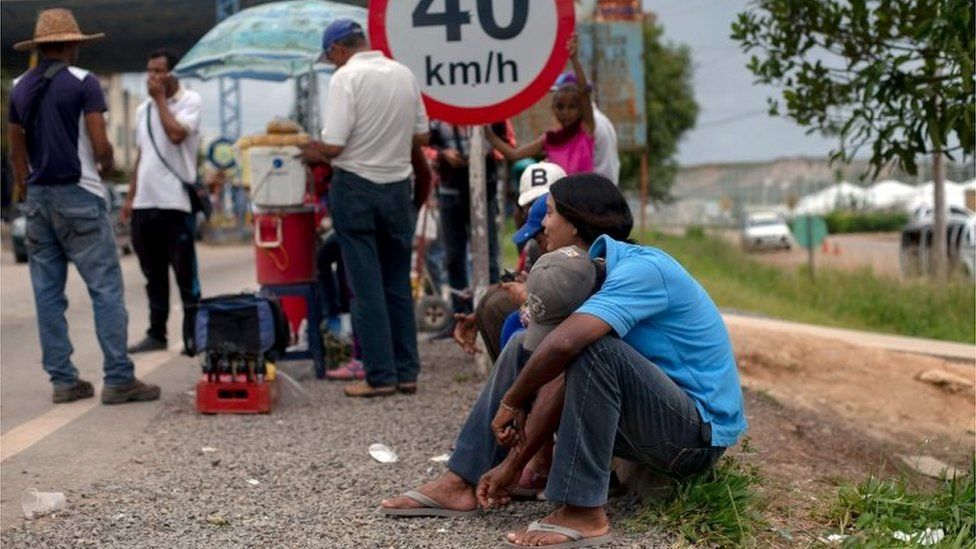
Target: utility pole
{"x": 229, "y": 89}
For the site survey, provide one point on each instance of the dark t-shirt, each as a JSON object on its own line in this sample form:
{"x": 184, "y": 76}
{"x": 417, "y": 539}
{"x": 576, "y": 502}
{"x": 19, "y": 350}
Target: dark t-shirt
{"x": 58, "y": 147}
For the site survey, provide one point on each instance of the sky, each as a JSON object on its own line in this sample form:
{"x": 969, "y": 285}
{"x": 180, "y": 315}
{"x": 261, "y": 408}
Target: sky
{"x": 732, "y": 125}
{"x": 732, "y": 121}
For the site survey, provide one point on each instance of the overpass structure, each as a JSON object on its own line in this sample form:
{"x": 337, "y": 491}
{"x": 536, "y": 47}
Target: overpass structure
{"x": 132, "y": 28}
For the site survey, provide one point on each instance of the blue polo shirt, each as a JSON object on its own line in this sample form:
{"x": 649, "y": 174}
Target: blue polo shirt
{"x": 58, "y": 147}
{"x": 657, "y": 308}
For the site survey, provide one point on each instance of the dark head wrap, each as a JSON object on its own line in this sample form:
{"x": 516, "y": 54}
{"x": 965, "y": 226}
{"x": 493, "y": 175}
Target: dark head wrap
{"x": 594, "y": 205}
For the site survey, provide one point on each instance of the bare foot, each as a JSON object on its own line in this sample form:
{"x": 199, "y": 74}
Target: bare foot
{"x": 449, "y": 490}
{"x": 589, "y": 521}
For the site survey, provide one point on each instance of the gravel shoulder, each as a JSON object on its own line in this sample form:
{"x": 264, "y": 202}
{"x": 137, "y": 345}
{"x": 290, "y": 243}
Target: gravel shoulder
{"x": 820, "y": 413}
{"x": 317, "y": 486}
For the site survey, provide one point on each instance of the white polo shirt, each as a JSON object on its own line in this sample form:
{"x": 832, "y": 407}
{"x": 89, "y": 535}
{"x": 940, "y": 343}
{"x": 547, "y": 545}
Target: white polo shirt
{"x": 157, "y": 186}
{"x": 373, "y": 110}
{"x": 606, "y": 159}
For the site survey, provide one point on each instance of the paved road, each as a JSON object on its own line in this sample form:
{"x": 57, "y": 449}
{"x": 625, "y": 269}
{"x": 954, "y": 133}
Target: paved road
{"x": 87, "y": 440}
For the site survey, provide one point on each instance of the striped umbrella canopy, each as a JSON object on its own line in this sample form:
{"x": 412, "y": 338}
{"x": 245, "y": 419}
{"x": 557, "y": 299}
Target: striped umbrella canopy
{"x": 267, "y": 42}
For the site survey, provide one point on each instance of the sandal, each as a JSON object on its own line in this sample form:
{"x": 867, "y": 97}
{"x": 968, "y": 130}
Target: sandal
{"x": 531, "y": 485}
{"x": 576, "y": 539}
{"x": 407, "y": 388}
{"x": 430, "y": 508}
{"x": 349, "y": 370}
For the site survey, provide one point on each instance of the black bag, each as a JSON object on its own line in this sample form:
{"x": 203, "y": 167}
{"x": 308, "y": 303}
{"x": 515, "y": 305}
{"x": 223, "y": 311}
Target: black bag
{"x": 240, "y": 324}
{"x": 199, "y": 197}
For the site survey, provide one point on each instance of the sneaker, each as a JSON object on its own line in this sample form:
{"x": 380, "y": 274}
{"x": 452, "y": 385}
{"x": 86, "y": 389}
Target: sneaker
{"x": 81, "y": 389}
{"x": 347, "y": 371}
{"x": 136, "y": 391}
{"x": 149, "y": 343}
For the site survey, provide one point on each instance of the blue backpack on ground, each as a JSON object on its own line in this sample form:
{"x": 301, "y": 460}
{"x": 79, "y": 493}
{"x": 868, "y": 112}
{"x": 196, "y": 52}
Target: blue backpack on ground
{"x": 240, "y": 324}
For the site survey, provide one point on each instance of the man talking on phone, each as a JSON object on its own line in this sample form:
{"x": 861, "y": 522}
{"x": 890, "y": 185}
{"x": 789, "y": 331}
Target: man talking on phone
{"x": 163, "y": 224}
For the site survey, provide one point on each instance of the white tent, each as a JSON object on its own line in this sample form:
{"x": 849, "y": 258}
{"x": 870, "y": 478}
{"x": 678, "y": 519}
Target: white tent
{"x": 890, "y": 193}
{"x": 840, "y": 196}
{"x": 955, "y": 195}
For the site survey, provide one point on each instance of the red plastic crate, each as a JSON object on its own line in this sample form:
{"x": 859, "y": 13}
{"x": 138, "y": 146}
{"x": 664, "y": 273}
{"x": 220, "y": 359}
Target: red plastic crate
{"x": 235, "y": 397}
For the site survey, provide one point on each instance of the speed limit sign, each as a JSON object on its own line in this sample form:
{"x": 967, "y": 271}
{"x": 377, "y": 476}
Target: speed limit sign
{"x": 477, "y": 61}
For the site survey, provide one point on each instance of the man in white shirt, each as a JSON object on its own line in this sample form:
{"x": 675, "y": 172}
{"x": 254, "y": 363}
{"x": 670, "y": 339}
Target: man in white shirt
{"x": 374, "y": 115}
{"x": 606, "y": 159}
{"x": 163, "y": 224}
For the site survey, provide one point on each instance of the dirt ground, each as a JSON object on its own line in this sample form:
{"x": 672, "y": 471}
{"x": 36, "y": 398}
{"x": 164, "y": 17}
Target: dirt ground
{"x": 823, "y": 412}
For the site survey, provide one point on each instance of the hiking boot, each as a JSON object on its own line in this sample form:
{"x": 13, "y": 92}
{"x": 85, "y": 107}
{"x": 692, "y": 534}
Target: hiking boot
{"x": 363, "y": 389}
{"x": 136, "y": 391}
{"x": 149, "y": 343}
{"x": 81, "y": 389}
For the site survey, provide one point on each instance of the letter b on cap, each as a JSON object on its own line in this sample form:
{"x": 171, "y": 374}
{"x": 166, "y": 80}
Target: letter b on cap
{"x": 539, "y": 177}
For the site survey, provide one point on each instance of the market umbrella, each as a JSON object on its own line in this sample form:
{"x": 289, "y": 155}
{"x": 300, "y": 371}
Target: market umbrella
{"x": 268, "y": 42}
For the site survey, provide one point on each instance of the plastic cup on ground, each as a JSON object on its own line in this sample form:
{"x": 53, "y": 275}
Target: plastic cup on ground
{"x": 36, "y": 504}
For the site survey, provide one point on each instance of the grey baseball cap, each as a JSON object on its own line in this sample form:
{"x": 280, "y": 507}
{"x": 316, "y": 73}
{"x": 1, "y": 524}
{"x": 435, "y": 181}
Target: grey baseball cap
{"x": 560, "y": 281}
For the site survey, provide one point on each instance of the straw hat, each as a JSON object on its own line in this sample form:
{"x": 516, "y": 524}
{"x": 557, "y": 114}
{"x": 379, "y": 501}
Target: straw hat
{"x": 56, "y": 25}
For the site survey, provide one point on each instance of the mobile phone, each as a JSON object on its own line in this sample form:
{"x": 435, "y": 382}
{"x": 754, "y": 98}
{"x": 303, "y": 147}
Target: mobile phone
{"x": 507, "y": 276}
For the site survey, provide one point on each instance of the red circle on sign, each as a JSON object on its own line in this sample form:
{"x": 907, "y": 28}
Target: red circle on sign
{"x": 565, "y": 23}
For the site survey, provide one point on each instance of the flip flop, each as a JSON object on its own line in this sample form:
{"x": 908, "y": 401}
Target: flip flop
{"x": 431, "y": 508}
{"x": 576, "y": 539}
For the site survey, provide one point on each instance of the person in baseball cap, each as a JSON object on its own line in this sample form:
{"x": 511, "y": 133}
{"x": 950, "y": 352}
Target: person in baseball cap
{"x": 533, "y": 224}
{"x": 335, "y": 34}
{"x": 558, "y": 284}
{"x": 536, "y": 179}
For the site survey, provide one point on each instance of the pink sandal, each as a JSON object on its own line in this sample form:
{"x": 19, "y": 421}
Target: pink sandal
{"x": 349, "y": 370}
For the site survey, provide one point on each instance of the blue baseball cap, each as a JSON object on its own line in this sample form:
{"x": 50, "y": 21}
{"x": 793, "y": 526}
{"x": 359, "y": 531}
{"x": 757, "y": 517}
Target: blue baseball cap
{"x": 338, "y": 30}
{"x": 533, "y": 224}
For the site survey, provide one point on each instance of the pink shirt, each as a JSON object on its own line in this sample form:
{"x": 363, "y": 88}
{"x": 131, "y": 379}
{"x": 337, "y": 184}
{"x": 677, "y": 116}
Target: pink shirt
{"x": 573, "y": 154}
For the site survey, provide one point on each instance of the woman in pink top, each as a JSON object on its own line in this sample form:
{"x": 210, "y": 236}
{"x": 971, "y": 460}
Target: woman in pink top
{"x": 570, "y": 146}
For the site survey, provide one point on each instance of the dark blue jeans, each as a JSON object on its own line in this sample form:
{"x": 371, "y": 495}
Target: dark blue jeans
{"x": 66, "y": 223}
{"x": 617, "y": 403}
{"x": 333, "y": 283}
{"x": 455, "y": 206}
{"x": 375, "y": 231}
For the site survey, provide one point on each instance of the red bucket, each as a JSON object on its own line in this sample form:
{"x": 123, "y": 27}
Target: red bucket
{"x": 284, "y": 246}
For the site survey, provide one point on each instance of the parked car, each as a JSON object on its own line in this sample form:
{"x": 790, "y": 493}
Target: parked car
{"x": 917, "y": 237}
{"x": 766, "y": 230}
{"x": 117, "y": 196}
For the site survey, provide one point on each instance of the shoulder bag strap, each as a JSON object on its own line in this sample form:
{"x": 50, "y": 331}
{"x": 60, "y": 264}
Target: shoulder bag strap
{"x": 152, "y": 139}
{"x": 35, "y": 106}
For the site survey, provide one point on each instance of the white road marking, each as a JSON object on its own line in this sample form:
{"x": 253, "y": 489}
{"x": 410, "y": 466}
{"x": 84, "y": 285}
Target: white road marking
{"x": 31, "y": 432}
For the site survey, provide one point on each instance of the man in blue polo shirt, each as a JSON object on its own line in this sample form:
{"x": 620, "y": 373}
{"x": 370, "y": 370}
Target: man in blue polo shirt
{"x": 58, "y": 147}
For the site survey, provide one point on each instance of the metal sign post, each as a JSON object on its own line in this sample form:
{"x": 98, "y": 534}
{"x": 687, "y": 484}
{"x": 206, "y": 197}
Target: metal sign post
{"x": 479, "y": 213}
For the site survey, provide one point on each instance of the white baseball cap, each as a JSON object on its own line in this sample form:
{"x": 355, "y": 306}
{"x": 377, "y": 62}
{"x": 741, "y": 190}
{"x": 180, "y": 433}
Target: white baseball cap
{"x": 536, "y": 179}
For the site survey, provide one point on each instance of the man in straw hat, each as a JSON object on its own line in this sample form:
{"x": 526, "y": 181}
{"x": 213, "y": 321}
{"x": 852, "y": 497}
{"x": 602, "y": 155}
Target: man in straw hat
{"x": 58, "y": 147}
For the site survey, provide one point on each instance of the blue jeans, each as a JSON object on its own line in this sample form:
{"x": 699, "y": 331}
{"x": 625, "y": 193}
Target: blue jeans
{"x": 66, "y": 223}
{"x": 617, "y": 403}
{"x": 455, "y": 206}
{"x": 375, "y": 231}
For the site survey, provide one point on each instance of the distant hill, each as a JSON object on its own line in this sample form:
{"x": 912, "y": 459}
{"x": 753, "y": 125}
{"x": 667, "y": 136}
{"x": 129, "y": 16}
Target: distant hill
{"x": 783, "y": 176}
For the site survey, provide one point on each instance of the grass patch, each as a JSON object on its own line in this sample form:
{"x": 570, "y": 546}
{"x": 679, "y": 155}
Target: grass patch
{"x": 871, "y": 512}
{"x": 717, "y": 508}
{"x": 846, "y": 299}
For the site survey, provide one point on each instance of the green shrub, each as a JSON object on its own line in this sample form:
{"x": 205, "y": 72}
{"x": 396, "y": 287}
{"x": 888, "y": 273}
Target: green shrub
{"x": 865, "y": 222}
{"x": 695, "y": 231}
